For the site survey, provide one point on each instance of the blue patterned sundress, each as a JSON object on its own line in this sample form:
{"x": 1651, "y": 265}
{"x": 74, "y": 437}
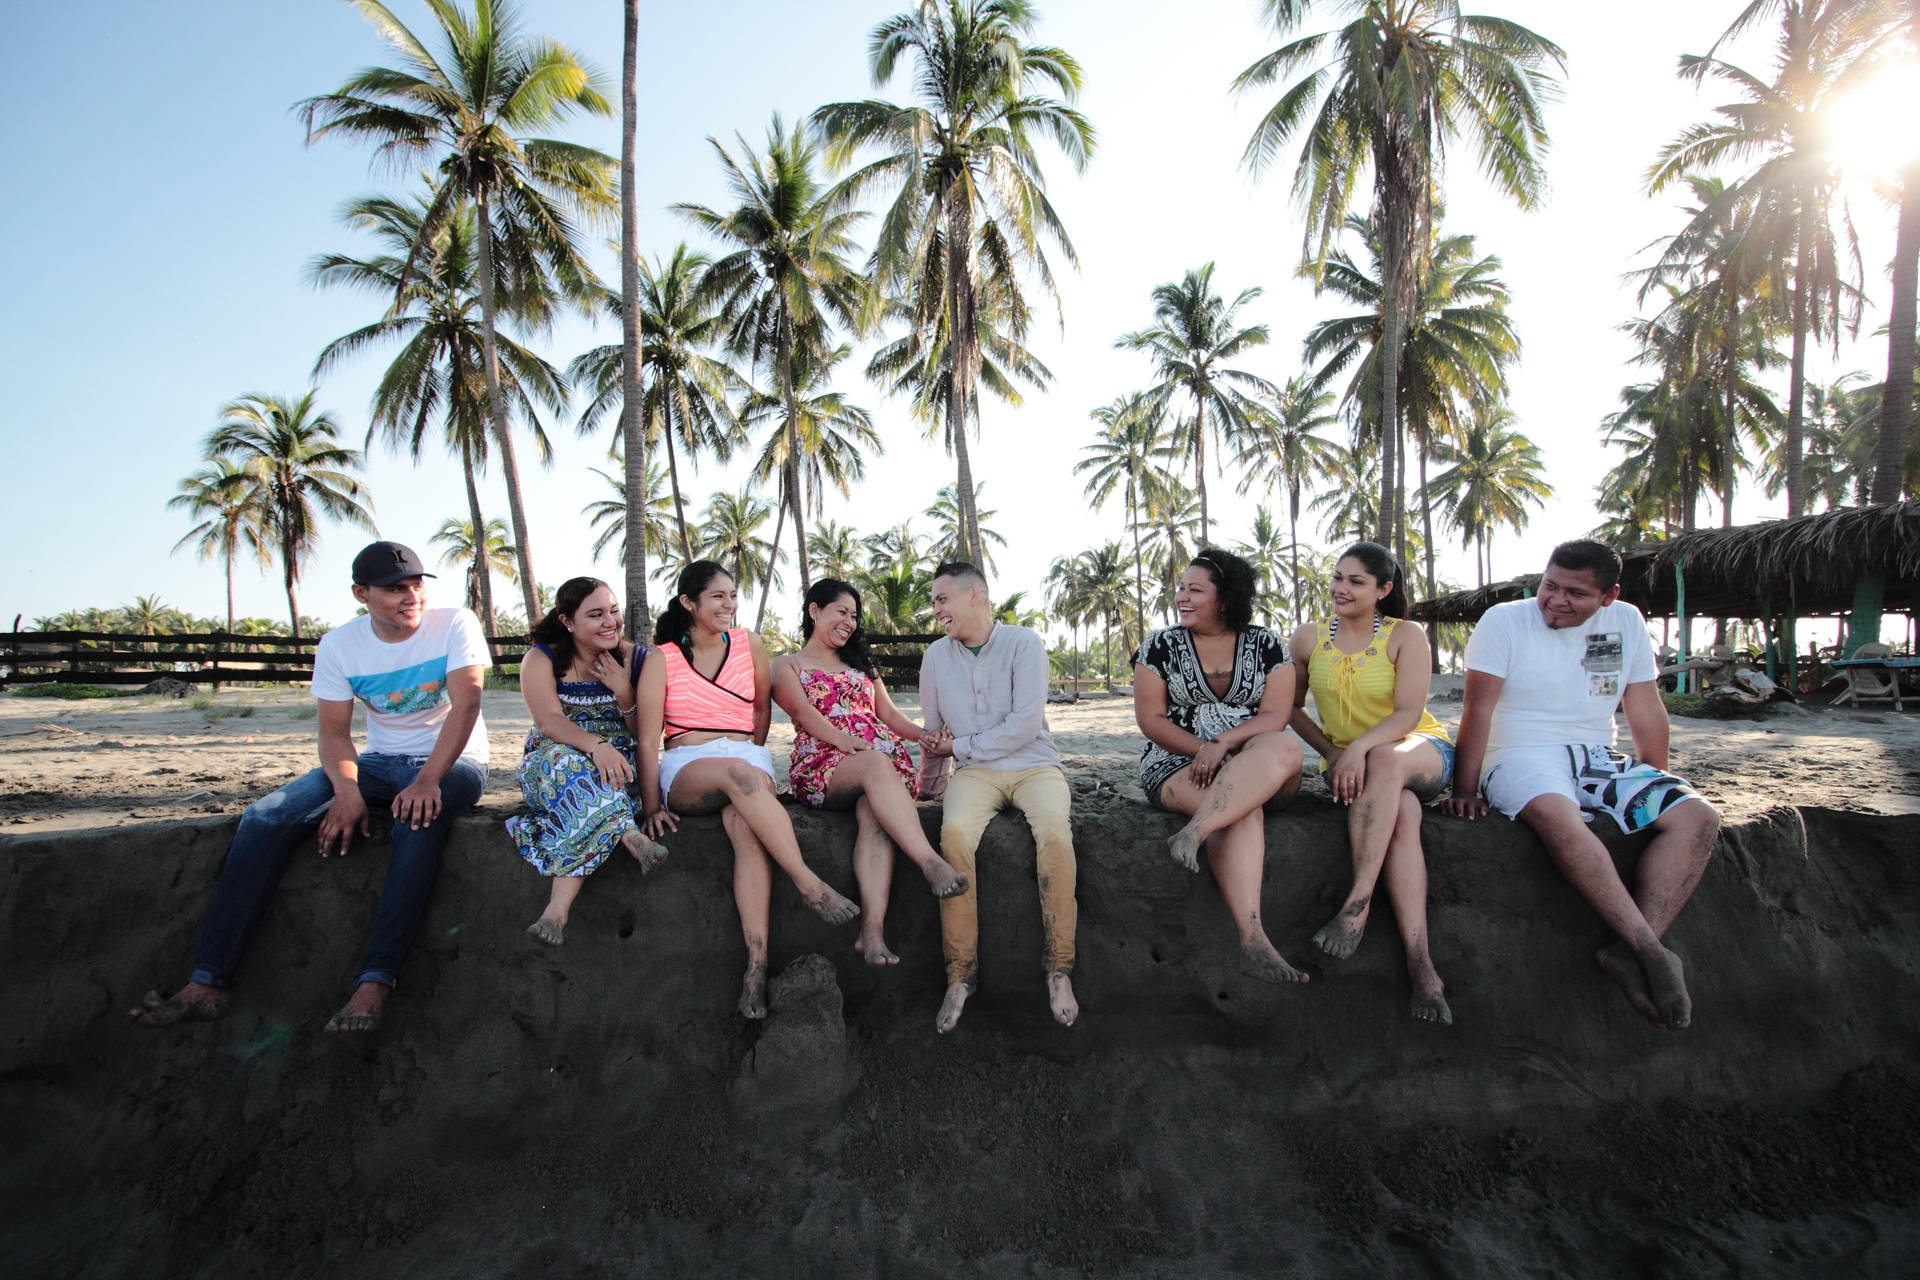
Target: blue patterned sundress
{"x": 577, "y": 820}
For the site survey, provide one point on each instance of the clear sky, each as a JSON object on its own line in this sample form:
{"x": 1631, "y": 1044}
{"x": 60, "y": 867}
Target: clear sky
{"x": 164, "y": 206}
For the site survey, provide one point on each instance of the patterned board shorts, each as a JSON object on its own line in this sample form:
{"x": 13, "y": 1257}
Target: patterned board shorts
{"x": 1597, "y": 778}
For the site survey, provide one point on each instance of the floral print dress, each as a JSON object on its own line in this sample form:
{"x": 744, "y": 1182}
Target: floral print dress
{"x": 576, "y": 819}
{"x": 845, "y": 698}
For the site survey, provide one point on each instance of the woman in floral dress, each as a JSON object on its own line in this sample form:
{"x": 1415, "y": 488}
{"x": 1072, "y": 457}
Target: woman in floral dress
{"x": 850, "y": 749}
{"x": 578, "y": 680}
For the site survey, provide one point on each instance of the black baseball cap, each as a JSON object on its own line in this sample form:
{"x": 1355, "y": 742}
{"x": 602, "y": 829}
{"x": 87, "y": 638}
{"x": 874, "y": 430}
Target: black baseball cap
{"x": 381, "y": 564}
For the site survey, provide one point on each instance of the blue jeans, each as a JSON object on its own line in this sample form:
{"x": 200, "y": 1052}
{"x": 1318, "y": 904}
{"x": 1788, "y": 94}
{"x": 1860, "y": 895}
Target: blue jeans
{"x": 274, "y": 824}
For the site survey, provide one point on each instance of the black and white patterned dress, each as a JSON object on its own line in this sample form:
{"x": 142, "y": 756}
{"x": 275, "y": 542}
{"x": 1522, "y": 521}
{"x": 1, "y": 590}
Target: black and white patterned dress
{"x": 1192, "y": 704}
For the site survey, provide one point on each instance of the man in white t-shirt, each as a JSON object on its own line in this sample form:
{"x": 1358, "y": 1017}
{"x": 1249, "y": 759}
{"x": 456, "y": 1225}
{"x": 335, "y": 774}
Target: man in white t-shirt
{"x": 419, "y": 672}
{"x": 1544, "y": 677}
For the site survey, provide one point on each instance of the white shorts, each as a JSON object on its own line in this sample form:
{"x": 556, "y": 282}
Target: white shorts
{"x": 1597, "y": 778}
{"x": 674, "y": 759}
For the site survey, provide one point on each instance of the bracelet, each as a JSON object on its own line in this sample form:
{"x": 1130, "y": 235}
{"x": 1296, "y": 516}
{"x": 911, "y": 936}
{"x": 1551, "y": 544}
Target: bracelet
{"x": 625, "y": 711}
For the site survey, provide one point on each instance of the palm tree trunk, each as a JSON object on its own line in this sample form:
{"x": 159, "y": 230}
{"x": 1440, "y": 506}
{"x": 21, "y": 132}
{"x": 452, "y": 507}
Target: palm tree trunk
{"x": 229, "y": 588}
{"x": 1139, "y": 570}
{"x": 673, "y": 478}
{"x": 766, "y": 583}
{"x": 1896, "y": 398}
{"x": 1730, "y": 438}
{"x": 963, "y": 335}
{"x": 639, "y": 619}
{"x": 1797, "y": 378}
{"x": 793, "y": 447}
{"x": 1426, "y": 535}
{"x": 482, "y": 569}
{"x": 497, "y": 405}
{"x": 1400, "y": 436}
{"x": 1293, "y": 548}
{"x": 1200, "y": 462}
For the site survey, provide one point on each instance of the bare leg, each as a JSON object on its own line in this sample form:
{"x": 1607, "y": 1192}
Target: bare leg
{"x": 706, "y": 785}
{"x": 1371, "y": 821}
{"x": 1405, "y": 877}
{"x": 648, "y": 853}
{"x": 552, "y": 924}
{"x": 1585, "y": 862}
{"x": 195, "y": 1002}
{"x": 1669, "y": 872}
{"x": 752, "y": 898}
{"x": 873, "y": 872}
{"x": 870, "y": 775}
{"x": 1251, "y": 777}
{"x": 1238, "y": 856}
{"x": 363, "y": 1009}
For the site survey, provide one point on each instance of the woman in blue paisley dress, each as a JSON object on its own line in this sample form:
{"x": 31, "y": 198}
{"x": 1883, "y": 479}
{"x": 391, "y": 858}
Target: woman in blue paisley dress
{"x": 578, "y": 680}
{"x": 1213, "y": 696}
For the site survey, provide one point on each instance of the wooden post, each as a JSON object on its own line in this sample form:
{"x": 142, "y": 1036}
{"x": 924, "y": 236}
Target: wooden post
{"x": 1685, "y": 684}
{"x": 1863, "y": 624}
{"x": 1773, "y": 644}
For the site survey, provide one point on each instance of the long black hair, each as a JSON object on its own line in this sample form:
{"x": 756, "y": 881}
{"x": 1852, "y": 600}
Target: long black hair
{"x": 823, "y": 593}
{"x": 1379, "y": 562}
{"x": 1234, "y": 579}
{"x": 675, "y": 620}
{"x": 552, "y": 632}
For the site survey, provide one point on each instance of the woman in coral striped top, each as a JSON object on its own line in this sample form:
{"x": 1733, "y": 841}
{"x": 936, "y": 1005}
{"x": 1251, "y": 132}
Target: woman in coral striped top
{"x": 705, "y": 689}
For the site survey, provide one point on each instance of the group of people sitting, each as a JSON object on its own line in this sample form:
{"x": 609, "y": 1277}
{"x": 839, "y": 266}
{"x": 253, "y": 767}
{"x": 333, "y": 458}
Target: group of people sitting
{"x": 686, "y": 718}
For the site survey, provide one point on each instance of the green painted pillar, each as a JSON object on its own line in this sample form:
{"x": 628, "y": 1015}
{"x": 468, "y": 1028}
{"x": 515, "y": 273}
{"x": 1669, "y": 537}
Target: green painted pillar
{"x": 1863, "y": 625}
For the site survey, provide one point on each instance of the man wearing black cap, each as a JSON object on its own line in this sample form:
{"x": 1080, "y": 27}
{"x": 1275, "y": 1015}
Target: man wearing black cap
{"x": 419, "y": 672}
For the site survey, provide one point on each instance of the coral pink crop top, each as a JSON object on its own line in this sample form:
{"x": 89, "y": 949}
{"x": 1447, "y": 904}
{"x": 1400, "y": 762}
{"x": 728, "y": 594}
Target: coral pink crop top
{"x": 697, "y": 704}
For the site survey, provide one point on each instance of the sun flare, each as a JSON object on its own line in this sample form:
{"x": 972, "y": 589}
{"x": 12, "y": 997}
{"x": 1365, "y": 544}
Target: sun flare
{"x": 1871, "y": 131}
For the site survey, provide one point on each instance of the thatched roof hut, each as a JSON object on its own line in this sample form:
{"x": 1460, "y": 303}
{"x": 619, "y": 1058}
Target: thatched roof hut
{"x": 1806, "y": 567}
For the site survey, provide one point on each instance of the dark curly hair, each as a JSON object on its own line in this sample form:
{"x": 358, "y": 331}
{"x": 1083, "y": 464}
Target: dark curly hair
{"x": 675, "y": 621}
{"x": 1234, "y": 579}
{"x": 823, "y": 593}
{"x": 552, "y": 632}
{"x": 1379, "y": 562}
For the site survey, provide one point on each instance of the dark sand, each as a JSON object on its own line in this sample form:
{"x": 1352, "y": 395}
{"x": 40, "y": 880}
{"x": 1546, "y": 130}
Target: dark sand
{"x": 600, "y": 1111}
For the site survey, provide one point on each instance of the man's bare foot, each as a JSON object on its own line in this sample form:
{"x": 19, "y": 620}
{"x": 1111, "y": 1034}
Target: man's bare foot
{"x": 942, "y": 878}
{"x": 547, "y": 930}
{"x": 1258, "y": 959}
{"x": 195, "y": 1002}
{"x": 1430, "y": 1004}
{"x": 363, "y": 1009}
{"x": 830, "y": 906}
{"x": 648, "y": 853}
{"x": 1060, "y": 998}
{"x": 1340, "y": 936}
{"x": 874, "y": 951}
{"x": 1667, "y": 987}
{"x": 1618, "y": 962}
{"x": 1184, "y": 845}
{"x": 753, "y": 991}
{"x": 956, "y": 999}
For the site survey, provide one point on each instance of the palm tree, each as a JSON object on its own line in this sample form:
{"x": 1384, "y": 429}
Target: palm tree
{"x": 469, "y": 109}
{"x": 1284, "y": 450}
{"x": 480, "y": 556}
{"x": 148, "y": 616}
{"x": 948, "y": 516}
{"x": 731, "y": 535}
{"x": 295, "y": 470}
{"x": 969, "y": 190}
{"x": 837, "y": 551}
{"x": 1401, "y": 82}
{"x": 440, "y": 369}
{"x": 1349, "y": 510}
{"x": 1267, "y": 549}
{"x": 787, "y": 273}
{"x": 1068, "y": 596}
{"x": 684, "y": 391}
{"x": 633, "y": 437}
{"x": 1125, "y": 452}
{"x": 610, "y": 515}
{"x": 1168, "y": 519}
{"x": 1193, "y": 334}
{"x": 1491, "y": 479}
{"x": 232, "y": 520}
{"x": 1785, "y": 207}
{"x": 897, "y": 581}
{"x": 1103, "y": 594}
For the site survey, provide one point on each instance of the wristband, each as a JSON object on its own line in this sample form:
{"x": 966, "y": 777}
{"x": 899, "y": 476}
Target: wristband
{"x": 625, "y": 711}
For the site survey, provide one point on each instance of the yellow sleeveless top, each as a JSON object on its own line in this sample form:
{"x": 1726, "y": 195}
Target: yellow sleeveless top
{"x": 1354, "y": 691}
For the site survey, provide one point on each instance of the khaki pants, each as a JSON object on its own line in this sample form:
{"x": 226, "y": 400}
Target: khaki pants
{"x": 974, "y": 796}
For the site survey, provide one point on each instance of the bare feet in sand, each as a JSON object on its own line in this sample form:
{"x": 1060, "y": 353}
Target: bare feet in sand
{"x": 1258, "y": 959}
{"x": 873, "y": 949}
{"x": 1340, "y": 936}
{"x": 828, "y": 905}
{"x": 1430, "y": 1003}
{"x": 648, "y": 853}
{"x": 1184, "y": 845}
{"x": 1060, "y": 998}
{"x": 195, "y": 1002}
{"x": 942, "y": 878}
{"x": 956, "y": 1000}
{"x": 1655, "y": 984}
{"x": 753, "y": 991}
{"x": 548, "y": 931}
{"x": 363, "y": 1009}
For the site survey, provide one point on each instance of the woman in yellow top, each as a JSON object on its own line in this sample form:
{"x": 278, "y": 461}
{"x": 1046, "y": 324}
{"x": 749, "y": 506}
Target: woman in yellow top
{"x": 1385, "y": 755}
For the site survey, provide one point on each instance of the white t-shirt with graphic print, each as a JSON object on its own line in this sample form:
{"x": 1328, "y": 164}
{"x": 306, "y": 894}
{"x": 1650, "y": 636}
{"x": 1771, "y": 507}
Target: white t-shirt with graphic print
{"x": 404, "y": 685}
{"x": 1562, "y": 686}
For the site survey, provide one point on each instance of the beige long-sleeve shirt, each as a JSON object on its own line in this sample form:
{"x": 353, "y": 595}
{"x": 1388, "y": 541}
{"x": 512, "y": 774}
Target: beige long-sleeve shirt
{"x": 994, "y": 702}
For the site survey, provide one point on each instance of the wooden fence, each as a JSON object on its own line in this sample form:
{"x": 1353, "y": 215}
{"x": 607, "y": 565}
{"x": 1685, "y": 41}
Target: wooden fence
{"x": 222, "y": 657}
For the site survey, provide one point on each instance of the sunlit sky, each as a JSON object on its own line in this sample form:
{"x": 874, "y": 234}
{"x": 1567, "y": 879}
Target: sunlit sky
{"x": 163, "y": 206}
